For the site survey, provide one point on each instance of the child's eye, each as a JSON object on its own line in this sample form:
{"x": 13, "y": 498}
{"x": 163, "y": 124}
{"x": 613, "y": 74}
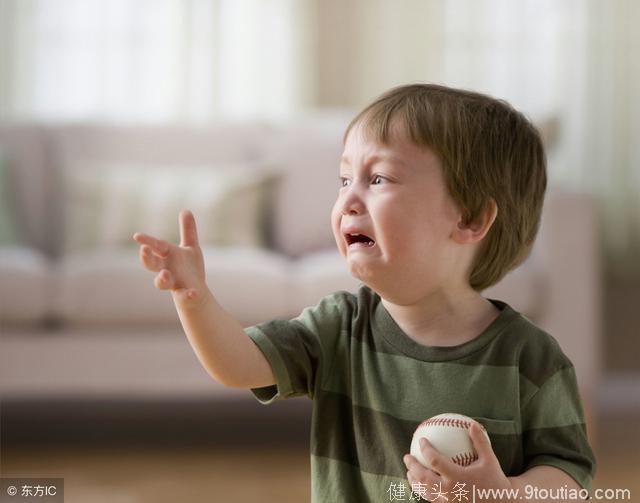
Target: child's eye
{"x": 344, "y": 181}
{"x": 377, "y": 180}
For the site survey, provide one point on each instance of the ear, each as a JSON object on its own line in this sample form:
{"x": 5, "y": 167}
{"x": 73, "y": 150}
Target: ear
{"x": 473, "y": 232}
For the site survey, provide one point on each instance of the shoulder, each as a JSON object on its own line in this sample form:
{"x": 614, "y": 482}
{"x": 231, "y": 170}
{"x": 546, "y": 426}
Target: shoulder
{"x": 351, "y": 304}
{"x": 338, "y": 310}
{"x": 535, "y": 351}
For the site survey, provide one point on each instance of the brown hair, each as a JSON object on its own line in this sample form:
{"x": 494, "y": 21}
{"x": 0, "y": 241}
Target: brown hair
{"x": 488, "y": 150}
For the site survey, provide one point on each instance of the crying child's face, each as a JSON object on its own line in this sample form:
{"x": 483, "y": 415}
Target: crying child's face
{"x": 393, "y": 216}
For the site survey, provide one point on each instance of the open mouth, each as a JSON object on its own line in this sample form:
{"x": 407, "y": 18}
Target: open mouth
{"x": 361, "y": 239}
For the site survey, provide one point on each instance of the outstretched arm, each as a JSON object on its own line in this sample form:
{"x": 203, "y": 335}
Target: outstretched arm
{"x": 219, "y": 341}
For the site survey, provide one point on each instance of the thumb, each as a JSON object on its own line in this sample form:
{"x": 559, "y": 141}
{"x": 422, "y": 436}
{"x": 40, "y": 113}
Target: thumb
{"x": 188, "y": 231}
{"x": 480, "y": 440}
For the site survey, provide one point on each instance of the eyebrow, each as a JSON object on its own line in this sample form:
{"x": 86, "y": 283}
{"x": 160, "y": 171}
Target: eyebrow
{"x": 377, "y": 158}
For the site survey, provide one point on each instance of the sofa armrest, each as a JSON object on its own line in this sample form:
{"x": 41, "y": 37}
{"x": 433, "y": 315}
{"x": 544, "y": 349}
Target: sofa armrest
{"x": 570, "y": 252}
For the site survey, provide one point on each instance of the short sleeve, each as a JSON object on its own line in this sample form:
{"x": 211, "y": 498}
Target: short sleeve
{"x": 554, "y": 430}
{"x": 299, "y": 350}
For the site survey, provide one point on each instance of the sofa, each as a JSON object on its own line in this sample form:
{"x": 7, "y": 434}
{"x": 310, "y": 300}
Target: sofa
{"x": 79, "y": 316}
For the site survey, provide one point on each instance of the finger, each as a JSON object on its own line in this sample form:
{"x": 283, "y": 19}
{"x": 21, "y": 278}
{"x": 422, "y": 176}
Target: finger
{"x": 480, "y": 441}
{"x": 437, "y": 462}
{"x": 418, "y": 473}
{"x": 149, "y": 260}
{"x": 164, "y": 280}
{"x": 158, "y": 246}
{"x": 188, "y": 231}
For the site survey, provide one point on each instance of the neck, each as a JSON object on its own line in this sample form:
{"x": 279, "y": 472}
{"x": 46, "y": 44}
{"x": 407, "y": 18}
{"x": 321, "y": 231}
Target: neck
{"x": 442, "y": 319}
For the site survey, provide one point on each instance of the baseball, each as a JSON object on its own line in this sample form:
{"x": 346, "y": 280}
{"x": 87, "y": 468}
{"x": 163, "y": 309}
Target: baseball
{"x": 449, "y": 434}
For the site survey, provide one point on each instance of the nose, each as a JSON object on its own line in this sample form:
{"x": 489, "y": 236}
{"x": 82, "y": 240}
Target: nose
{"x": 351, "y": 203}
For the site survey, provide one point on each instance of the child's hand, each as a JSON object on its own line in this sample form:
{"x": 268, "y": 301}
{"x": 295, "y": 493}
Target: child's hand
{"x": 445, "y": 477}
{"x": 180, "y": 268}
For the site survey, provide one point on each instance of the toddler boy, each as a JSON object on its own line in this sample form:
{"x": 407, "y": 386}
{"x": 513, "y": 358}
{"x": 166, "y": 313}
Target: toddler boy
{"x": 440, "y": 195}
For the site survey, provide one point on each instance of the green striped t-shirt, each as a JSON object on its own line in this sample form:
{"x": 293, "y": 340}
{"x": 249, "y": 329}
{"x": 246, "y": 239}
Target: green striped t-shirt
{"x": 371, "y": 386}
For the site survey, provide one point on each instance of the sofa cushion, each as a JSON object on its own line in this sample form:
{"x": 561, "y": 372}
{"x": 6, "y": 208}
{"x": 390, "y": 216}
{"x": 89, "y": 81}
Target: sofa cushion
{"x": 310, "y": 151}
{"x": 106, "y": 363}
{"x": 222, "y": 142}
{"x": 25, "y": 289}
{"x": 112, "y": 287}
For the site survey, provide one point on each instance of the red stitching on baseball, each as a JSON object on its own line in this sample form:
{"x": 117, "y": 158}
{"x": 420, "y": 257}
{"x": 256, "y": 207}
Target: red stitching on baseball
{"x": 464, "y": 458}
{"x": 445, "y": 421}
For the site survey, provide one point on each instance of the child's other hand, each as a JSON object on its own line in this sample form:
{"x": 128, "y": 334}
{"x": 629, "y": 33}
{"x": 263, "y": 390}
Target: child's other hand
{"x": 180, "y": 267}
{"x": 445, "y": 477}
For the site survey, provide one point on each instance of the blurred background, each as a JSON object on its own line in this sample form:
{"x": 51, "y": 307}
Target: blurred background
{"x": 114, "y": 114}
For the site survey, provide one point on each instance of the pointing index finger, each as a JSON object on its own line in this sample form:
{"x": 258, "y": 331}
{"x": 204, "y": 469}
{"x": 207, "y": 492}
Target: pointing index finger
{"x": 158, "y": 246}
{"x": 188, "y": 231}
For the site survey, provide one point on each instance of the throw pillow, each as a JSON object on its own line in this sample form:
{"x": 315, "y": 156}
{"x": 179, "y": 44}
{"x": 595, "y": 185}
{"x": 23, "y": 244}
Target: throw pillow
{"x": 105, "y": 204}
